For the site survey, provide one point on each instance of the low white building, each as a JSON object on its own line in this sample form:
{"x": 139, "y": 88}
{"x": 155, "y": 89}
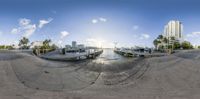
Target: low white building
{"x": 36, "y": 44}
{"x": 81, "y": 46}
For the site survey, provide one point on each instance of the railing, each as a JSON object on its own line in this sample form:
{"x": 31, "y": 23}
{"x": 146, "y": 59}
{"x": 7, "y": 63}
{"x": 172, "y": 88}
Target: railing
{"x": 71, "y": 56}
{"x": 130, "y": 53}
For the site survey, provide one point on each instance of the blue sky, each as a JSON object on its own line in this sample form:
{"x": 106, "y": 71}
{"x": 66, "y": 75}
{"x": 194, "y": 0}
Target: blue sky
{"x": 96, "y": 22}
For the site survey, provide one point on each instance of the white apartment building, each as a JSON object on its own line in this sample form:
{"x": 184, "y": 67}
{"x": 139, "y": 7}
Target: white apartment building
{"x": 173, "y": 29}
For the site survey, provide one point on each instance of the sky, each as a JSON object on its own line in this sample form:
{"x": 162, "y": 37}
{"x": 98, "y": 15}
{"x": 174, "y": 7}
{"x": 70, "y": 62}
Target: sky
{"x": 96, "y": 22}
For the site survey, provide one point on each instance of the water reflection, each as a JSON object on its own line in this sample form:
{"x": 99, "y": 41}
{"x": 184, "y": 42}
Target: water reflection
{"x": 109, "y": 56}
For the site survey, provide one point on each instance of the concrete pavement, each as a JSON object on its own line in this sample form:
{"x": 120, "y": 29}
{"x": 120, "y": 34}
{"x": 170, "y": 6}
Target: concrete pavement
{"x": 23, "y": 76}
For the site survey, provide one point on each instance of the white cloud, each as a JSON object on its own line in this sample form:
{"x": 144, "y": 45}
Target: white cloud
{"x": 193, "y": 34}
{"x": 60, "y": 42}
{"x": 94, "y": 21}
{"x": 140, "y": 37}
{"x": 103, "y": 19}
{"x": 14, "y": 31}
{"x": 44, "y": 22}
{"x": 135, "y": 27}
{"x": 193, "y": 38}
{"x": 25, "y": 28}
{"x": 144, "y": 36}
{"x": 1, "y": 32}
{"x": 64, "y": 34}
{"x": 189, "y": 35}
{"x": 24, "y": 22}
{"x": 142, "y": 40}
{"x": 29, "y": 30}
{"x": 90, "y": 40}
{"x": 96, "y": 42}
{"x": 196, "y": 33}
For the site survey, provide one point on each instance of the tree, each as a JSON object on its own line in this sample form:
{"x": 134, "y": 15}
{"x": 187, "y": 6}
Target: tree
{"x": 177, "y": 45}
{"x": 46, "y": 43}
{"x": 161, "y": 47}
{"x": 9, "y": 47}
{"x": 165, "y": 40}
{"x": 172, "y": 38}
{"x": 160, "y": 37}
{"x": 155, "y": 42}
{"x": 24, "y": 43}
{"x": 54, "y": 46}
{"x": 45, "y": 48}
{"x": 186, "y": 45}
{"x": 172, "y": 41}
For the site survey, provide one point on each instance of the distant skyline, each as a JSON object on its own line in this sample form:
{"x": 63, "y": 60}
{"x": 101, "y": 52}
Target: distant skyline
{"x": 96, "y": 22}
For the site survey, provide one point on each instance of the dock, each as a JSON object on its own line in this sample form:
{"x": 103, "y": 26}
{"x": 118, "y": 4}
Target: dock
{"x": 72, "y": 56}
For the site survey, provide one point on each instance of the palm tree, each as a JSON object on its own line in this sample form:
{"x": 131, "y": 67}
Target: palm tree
{"x": 24, "y": 43}
{"x": 160, "y": 37}
{"x": 165, "y": 40}
{"x": 156, "y": 42}
{"x": 172, "y": 41}
{"x": 46, "y": 43}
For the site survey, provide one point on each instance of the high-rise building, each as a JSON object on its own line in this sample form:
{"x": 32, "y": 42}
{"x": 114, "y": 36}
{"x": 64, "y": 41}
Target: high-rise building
{"x": 74, "y": 44}
{"x": 173, "y": 29}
